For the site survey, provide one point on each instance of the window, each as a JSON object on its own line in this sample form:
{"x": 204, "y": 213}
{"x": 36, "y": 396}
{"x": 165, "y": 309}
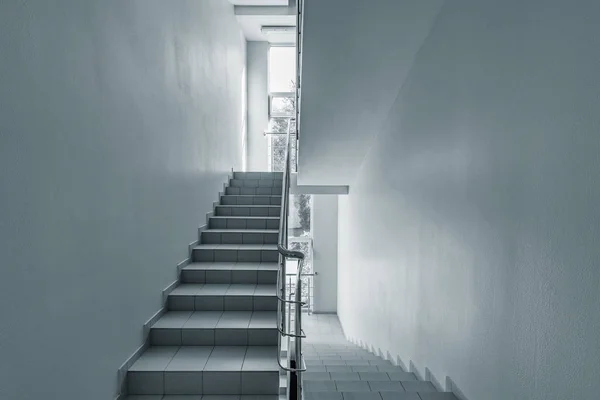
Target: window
{"x": 282, "y": 69}
{"x": 282, "y": 81}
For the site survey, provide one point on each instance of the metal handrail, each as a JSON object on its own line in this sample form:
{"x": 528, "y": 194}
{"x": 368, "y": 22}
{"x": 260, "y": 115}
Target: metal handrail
{"x": 284, "y": 254}
{"x": 284, "y": 251}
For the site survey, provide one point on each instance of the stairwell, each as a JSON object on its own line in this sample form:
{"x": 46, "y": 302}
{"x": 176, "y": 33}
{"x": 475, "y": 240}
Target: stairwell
{"x": 340, "y": 370}
{"x": 219, "y": 336}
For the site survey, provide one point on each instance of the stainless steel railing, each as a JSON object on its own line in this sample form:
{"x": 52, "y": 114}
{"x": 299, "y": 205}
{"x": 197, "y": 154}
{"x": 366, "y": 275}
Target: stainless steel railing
{"x": 294, "y": 364}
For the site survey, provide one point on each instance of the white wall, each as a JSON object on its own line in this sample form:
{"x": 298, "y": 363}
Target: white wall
{"x": 119, "y": 122}
{"x": 355, "y": 57}
{"x": 469, "y": 243}
{"x": 325, "y": 248}
{"x": 258, "y": 105}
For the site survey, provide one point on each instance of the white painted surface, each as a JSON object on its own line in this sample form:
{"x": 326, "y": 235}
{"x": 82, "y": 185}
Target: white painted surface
{"x": 119, "y": 122}
{"x": 258, "y": 105}
{"x": 317, "y": 189}
{"x": 325, "y": 252}
{"x": 356, "y": 55}
{"x": 251, "y": 19}
{"x": 469, "y": 243}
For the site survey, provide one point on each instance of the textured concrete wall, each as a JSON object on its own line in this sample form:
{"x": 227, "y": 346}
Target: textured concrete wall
{"x": 119, "y": 121}
{"x": 469, "y": 243}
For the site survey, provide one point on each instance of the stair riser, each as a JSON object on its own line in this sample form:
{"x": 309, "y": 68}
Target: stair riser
{"x": 253, "y": 191}
{"x": 229, "y": 276}
{"x": 213, "y": 337}
{"x": 203, "y": 382}
{"x": 241, "y": 211}
{"x": 258, "y": 175}
{"x": 204, "y": 255}
{"x": 255, "y": 183}
{"x": 239, "y": 238}
{"x": 243, "y": 223}
{"x": 251, "y": 200}
{"x": 221, "y": 303}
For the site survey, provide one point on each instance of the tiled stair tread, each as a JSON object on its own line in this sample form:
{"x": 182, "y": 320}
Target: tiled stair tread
{"x": 385, "y": 395}
{"x": 367, "y": 386}
{"x": 236, "y": 247}
{"x": 207, "y": 358}
{"x": 213, "y": 230}
{"x": 225, "y": 289}
{"x": 249, "y": 205}
{"x": 217, "y": 320}
{"x": 360, "y": 376}
{"x": 203, "y": 397}
{"x": 244, "y": 216}
{"x": 226, "y": 266}
{"x": 251, "y": 195}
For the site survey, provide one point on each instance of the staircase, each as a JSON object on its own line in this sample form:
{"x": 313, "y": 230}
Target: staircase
{"x": 219, "y": 336}
{"x": 340, "y": 370}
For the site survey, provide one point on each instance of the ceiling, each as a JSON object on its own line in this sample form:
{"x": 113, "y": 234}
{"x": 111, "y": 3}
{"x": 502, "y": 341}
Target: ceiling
{"x": 252, "y": 15}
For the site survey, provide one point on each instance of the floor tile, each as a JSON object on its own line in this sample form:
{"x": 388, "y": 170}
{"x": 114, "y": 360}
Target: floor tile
{"x": 261, "y": 358}
{"x": 350, "y": 386}
{"x": 260, "y": 382}
{"x": 437, "y": 396}
{"x": 323, "y": 396}
{"x": 374, "y": 376}
{"x": 226, "y": 358}
{"x": 179, "y": 382}
{"x": 345, "y": 376}
{"x": 235, "y": 319}
{"x": 399, "y": 396}
{"x": 418, "y": 386}
{"x": 190, "y": 358}
{"x": 203, "y": 319}
{"x": 386, "y": 386}
{"x": 263, "y": 319}
{"x": 154, "y": 359}
{"x": 219, "y": 382}
{"x": 316, "y": 376}
{"x": 319, "y": 386}
{"x": 402, "y": 376}
{"x": 173, "y": 319}
{"x": 361, "y": 396}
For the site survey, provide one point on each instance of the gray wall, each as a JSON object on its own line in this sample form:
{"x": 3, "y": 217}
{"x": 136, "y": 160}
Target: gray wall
{"x": 470, "y": 242}
{"x": 258, "y": 105}
{"x": 119, "y": 121}
{"x": 325, "y": 252}
{"x": 355, "y": 56}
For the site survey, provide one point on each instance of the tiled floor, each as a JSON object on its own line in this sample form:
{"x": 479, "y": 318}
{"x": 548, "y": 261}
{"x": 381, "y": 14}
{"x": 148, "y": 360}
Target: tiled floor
{"x": 340, "y": 370}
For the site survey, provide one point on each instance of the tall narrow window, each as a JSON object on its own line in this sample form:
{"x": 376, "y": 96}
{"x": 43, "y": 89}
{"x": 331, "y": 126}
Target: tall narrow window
{"x": 282, "y": 99}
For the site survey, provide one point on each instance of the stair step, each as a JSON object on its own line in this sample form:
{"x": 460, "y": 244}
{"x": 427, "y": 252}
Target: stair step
{"x": 258, "y": 175}
{"x": 210, "y": 370}
{"x": 222, "y": 297}
{"x": 235, "y": 252}
{"x": 248, "y": 222}
{"x": 253, "y": 191}
{"x": 255, "y": 183}
{"x": 273, "y": 200}
{"x": 210, "y": 328}
{"x": 247, "y": 210}
{"x": 230, "y": 272}
{"x": 240, "y": 236}
{"x": 396, "y": 376}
